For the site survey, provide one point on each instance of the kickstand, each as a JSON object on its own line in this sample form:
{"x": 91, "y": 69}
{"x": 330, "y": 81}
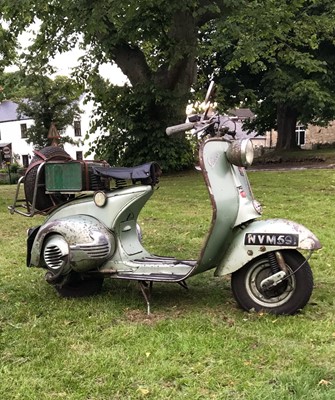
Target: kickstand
{"x": 183, "y": 284}
{"x": 146, "y": 291}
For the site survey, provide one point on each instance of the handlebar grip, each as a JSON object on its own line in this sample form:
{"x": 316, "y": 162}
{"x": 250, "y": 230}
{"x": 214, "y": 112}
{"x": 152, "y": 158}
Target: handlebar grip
{"x": 170, "y": 130}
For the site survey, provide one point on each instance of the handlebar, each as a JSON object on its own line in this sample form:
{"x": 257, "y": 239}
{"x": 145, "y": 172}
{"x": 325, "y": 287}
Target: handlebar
{"x": 170, "y": 130}
{"x": 200, "y": 123}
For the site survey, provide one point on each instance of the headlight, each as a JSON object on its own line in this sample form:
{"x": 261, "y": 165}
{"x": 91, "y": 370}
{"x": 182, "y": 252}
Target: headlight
{"x": 100, "y": 198}
{"x": 241, "y": 153}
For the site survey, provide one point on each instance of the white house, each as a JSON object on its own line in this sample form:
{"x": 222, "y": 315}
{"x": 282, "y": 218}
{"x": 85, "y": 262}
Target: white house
{"x": 13, "y": 133}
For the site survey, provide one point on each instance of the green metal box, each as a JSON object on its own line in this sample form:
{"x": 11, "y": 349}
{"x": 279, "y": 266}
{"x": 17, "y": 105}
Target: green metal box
{"x": 63, "y": 176}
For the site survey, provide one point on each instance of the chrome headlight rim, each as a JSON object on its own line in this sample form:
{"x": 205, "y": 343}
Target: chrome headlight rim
{"x": 100, "y": 198}
{"x": 241, "y": 153}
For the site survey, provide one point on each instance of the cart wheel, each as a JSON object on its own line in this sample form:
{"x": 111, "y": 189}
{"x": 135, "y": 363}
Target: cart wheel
{"x": 288, "y": 297}
{"x": 79, "y": 285}
{"x": 43, "y": 200}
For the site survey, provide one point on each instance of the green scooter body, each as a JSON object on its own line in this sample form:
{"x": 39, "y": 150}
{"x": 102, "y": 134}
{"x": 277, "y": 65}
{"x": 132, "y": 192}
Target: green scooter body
{"x": 114, "y": 228}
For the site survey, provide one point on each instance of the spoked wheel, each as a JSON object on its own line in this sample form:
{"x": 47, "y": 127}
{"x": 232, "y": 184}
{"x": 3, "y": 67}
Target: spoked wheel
{"x": 287, "y": 297}
{"x": 79, "y": 285}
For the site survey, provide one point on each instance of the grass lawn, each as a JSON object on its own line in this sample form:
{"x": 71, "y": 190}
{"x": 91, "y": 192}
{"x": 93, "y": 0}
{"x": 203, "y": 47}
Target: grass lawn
{"x": 197, "y": 344}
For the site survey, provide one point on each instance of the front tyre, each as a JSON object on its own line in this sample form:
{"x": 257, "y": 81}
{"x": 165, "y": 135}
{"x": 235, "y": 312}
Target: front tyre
{"x": 288, "y": 297}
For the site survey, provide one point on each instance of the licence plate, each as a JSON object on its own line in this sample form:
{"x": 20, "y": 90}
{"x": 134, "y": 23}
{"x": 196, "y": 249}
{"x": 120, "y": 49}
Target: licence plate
{"x": 271, "y": 239}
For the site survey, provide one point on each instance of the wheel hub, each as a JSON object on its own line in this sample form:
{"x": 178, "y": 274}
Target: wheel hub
{"x": 273, "y": 295}
{"x": 273, "y": 280}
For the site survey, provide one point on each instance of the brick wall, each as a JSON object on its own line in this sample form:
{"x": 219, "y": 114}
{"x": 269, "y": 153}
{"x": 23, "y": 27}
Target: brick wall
{"x": 320, "y": 135}
{"x": 314, "y": 135}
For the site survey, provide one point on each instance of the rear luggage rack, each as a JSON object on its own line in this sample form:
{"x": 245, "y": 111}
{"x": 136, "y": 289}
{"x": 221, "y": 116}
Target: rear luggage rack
{"x": 55, "y": 183}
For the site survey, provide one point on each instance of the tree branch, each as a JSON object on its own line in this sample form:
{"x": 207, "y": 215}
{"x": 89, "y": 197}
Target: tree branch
{"x": 182, "y": 36}
{"x": 132, "y": 62}
{"x": 130, "y": 59}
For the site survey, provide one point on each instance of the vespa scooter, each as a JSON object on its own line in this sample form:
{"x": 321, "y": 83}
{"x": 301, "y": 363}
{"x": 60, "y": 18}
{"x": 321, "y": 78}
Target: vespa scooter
{"x": 91, "y": 230}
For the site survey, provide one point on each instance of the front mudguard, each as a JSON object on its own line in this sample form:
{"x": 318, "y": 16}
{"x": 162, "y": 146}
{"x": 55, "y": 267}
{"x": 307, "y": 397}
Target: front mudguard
{"x": 259, "y": 237}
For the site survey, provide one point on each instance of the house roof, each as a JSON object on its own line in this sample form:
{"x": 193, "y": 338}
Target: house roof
{"x": 242, "y": 113}
{"x": 235, "y": 119}
{"x": 8, "y": 112}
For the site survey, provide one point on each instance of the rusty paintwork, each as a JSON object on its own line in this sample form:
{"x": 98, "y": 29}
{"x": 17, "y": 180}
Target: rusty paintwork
{"x": 90, "y": 243}
{"x": 239, "y": 254}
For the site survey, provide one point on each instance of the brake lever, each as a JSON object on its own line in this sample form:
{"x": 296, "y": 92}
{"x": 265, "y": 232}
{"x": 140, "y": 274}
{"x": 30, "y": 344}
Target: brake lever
{"x": 209, "y": 123}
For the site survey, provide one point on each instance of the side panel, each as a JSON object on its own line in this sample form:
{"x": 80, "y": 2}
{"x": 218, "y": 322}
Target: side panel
{"x": 85, "y": 226}
{"x": 89, "y": 241}
{"x": 263, "y": 236}
{"x": 118, "y": 201}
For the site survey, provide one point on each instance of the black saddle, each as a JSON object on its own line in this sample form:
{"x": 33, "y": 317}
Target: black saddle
{"x": 147, "y": 174}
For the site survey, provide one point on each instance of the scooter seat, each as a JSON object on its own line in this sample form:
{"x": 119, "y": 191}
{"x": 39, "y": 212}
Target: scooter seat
{"x": 147, "y": 174}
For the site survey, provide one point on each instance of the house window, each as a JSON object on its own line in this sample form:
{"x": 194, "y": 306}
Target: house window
{"x": 23, "y": 131}
{"x": 300, "y": 133}
{"x": 25, "y": 160}
{"x": 77, "y": 128}
{"x": 79, "y": 155}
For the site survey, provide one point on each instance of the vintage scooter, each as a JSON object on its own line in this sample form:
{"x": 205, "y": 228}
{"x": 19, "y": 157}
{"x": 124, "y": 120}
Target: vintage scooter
{"x": 91, "y": 230}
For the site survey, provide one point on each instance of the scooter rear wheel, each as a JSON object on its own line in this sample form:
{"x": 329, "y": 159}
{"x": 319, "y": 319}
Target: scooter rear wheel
{"x": 79, "y": 285}
{"x": 288, "y": 297}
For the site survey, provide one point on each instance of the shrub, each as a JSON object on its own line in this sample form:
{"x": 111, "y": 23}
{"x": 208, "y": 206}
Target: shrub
{"x": 4, "y": 178}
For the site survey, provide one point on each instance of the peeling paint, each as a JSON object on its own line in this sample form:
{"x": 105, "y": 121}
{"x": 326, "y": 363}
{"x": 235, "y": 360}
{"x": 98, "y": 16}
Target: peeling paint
{"x": 89, "y": 241}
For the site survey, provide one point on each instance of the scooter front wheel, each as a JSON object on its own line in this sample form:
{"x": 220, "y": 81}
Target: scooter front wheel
{"x": 287, "y": 297}
{"x": 79, "y": 285}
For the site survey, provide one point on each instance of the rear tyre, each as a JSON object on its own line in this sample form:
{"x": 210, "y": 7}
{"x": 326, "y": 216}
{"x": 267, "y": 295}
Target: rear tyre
{"x": 288, "y": 297}
{"x": 79, "y": 285}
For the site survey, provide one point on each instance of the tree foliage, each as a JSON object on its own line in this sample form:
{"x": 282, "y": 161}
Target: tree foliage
{"x": 7, "y": 46}
{"x": 48, "y": 101}
{"x": 155, "y": 45}
{"x": 278, "y": 57}
{"x": 7, "y": 56}
{"x": 11, "y": 85}
{"x": 275, "y": 56}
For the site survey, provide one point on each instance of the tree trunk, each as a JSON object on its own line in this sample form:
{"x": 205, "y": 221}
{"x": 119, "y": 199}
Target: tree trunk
{"x": 286, "y": 125}
{"x": 175, "y": 76}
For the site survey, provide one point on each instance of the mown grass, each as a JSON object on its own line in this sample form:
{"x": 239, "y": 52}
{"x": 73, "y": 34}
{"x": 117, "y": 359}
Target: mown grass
{"x": 197, "y": 344}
